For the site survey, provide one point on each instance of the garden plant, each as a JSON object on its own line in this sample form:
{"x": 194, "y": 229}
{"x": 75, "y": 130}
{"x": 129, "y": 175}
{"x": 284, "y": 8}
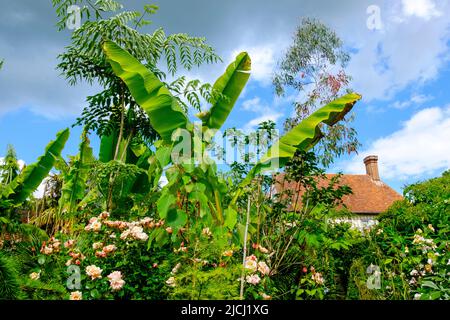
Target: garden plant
{"x": 107, "y": 228}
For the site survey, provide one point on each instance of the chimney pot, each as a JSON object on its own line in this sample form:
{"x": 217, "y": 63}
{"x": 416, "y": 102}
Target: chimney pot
{"x": 371, "y": 163}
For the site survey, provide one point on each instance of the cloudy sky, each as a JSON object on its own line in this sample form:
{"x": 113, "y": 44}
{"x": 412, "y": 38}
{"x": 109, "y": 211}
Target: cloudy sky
{"x": 401, "y": 68}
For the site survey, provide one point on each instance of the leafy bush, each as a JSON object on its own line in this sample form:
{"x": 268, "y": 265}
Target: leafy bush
{"x": 411, "y": 245}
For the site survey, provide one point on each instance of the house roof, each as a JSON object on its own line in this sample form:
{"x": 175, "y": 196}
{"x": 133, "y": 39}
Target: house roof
{"x": 369, "y": 196}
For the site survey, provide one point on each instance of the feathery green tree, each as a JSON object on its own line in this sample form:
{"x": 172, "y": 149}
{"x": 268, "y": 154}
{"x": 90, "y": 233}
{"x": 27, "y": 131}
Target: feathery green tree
{"x": 114, "y": 111}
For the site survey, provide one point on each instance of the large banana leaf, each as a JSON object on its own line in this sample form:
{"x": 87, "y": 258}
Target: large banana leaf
{"x": 107, "y": 147}
{"x": 162, "y": 108}
{"x": 141, "y": 183}
{"x": 138, "y": 155}
{"x": 306, "y": 134}
{"x": 74, "y": 185}
{"x": 302, "y": 137}
{"x": 230, "y": 86}
{"x": 32, "y": 176}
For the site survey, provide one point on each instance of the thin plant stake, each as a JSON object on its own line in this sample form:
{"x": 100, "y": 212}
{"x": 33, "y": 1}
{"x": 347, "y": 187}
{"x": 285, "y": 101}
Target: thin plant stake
{"x": 241, "y": 296}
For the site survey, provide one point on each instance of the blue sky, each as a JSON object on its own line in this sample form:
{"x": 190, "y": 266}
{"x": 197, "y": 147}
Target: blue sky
{"x": 402, "y": 70}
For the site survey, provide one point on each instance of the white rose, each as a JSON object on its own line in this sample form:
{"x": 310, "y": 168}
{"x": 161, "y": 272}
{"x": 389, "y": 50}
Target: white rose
{"x": 35, "y": 275}
{"x": 76, "y": 295}
{"x": 94, "y": 272}
{"x": 171, "y": 282}
{"x": 253, "y": 279}
{"x": 263, "y": 268}
{"x": 251, "y": 265}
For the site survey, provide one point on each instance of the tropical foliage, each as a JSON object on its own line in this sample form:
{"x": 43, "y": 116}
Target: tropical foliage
{"x": 107, "y": 227}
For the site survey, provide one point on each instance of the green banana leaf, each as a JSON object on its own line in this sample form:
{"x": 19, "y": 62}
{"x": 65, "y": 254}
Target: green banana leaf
{"x": 306, "y": 134}
{"x": 91, "y": 196}
{"x": 61, "y": 165}
{"x": 74, "y": 185}
{"x": 302, "y": 137}
{"x": 139, "y": 184}
{"x": 162, "y": 108}
{"x": 107, "y": 147}
{"x": 32, "y": 176}
{"x": 230, "y": 86}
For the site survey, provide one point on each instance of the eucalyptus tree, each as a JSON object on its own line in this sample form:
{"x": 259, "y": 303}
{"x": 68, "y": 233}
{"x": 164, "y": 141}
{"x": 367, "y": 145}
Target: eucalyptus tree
{"x": 313, "y": 70}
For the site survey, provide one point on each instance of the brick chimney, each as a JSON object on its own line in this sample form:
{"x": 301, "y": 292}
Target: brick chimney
{"x": 371, "y": 163}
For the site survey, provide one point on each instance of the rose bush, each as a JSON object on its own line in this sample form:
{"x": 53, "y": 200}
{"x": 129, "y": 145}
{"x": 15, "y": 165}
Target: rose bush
{"x": 113, "y": 259}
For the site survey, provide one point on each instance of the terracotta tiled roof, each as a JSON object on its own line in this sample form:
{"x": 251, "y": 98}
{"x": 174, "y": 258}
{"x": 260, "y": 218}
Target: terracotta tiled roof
{"x": 369, "y": 196}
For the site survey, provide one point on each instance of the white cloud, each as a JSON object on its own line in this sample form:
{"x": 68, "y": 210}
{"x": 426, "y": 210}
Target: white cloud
{"x": 374, "y": 109}
{"x": 253, "y": 105}
{"x": 420, "y": 147}
{"x": 407, "y": 52}
{"x": 421, "y": 98}
{"x": 401, "y": 105}
{"x": 274, "y": 116}
{"x": 39, "y": 192}
{"x": 30, "y": 44}
{"x": 415, "y": 100}
{"x": 425, "y": 9}
{"x": 29, "y": 80}
{"x": 410, "y": 49}
{"x": 264, "y": 112}
{"x": 263, "y": 62}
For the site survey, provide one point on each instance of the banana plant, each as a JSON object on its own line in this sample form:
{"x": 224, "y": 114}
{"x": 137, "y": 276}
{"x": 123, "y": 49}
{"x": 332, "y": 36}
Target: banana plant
{"x": 32, "y": 176}
{"x": 230, "y": 85}
{"x": 164, "y": 112}
{"x": 130, "y": 152}
{"x": 74, "y": 185}
{"x": 107, "y": 147}
{"x": 166, "y": 116}
{"x": 150, "y": 93}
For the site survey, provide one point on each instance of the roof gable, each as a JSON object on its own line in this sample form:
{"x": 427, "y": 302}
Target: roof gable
{"x": 369, "y": 196}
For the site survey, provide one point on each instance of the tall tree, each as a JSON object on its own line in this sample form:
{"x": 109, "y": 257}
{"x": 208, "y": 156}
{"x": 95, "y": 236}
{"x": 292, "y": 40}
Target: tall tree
{"x": 114, "y": 111}
{"x": 114, "y": 114}
{"x": 313, "y": 70}
{"x": 9, "y": 169}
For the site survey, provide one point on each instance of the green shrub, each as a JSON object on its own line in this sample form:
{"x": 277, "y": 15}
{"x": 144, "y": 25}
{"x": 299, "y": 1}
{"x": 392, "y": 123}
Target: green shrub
{"x": 9, "y": 279}
{"x": 410, "y": 245}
